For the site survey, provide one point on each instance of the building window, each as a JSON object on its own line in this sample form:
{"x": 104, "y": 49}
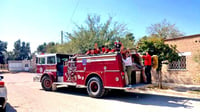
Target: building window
{"x": 178, "y": 65}
{"x": 26, "y": 65}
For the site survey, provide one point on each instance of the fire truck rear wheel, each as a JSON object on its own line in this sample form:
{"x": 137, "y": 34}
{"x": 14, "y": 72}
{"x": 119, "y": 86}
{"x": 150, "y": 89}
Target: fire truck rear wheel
{"x": 47, "y": 83}
{"x": 95, "y": 87}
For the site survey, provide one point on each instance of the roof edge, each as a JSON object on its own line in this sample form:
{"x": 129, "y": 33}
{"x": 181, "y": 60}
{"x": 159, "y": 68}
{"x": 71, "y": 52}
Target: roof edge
{"x": 182, "y": 37}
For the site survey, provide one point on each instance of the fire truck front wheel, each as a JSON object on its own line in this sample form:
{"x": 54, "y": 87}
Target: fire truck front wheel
{"x": 47, "y": 83}
{"x": 95, "y": 87}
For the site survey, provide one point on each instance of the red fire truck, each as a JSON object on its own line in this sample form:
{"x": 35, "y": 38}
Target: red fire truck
{"x": 98, "y": 73}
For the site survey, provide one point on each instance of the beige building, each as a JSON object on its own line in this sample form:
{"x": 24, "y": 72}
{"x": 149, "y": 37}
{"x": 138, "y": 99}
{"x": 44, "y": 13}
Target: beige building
{"x": 187, "y": 69}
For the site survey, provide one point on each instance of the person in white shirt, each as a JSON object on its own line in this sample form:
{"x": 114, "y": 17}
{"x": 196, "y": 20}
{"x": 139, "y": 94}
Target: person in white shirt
{"x": 128, "y": 64}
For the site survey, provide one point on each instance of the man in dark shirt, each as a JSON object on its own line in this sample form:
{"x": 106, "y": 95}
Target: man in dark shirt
{"x": 147, "y": 64}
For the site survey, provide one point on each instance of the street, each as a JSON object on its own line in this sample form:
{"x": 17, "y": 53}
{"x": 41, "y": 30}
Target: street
{"x": 24, "y": 95}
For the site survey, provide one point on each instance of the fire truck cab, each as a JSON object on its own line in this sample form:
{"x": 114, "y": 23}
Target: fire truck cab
{"x": 97, "y": 73}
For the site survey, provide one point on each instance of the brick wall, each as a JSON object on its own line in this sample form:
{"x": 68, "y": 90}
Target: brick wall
{"x": 189, "y": 44}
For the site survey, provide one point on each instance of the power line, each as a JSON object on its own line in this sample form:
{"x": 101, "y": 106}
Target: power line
{"x": 74, "y": 10}
{"x": 62, "y": 32}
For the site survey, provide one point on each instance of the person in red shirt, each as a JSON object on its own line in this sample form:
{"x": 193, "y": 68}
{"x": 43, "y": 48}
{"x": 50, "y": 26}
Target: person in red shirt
{"x": 107, "y": 49}
{"x": 103, "y": 49}
{"x": 96, "y": 51}
{"x": 147, "y": 64}
{"x": 88, "y": 52}
{"x": 112, "y": 50}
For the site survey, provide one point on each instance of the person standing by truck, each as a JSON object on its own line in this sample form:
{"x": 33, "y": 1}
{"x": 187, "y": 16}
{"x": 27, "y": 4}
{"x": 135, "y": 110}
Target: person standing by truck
{"x": 147, "y": 64}
{"x": 128, "y": 64}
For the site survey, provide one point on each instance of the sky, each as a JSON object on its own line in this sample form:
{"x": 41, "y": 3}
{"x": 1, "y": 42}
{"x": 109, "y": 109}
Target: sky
{"x": 39, "y": 21}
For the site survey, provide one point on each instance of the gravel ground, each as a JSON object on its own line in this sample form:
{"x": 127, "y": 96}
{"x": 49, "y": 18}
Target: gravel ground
{"x": 24, "y": 95}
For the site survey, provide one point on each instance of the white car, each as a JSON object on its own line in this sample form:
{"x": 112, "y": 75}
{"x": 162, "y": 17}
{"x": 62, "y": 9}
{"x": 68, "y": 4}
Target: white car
{"x": 3, "y": 95}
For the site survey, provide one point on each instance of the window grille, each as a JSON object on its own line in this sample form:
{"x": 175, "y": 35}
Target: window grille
{"x": 178, "y": 65}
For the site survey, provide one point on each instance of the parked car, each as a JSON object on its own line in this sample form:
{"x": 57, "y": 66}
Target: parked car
{"x": 3, "y": 95}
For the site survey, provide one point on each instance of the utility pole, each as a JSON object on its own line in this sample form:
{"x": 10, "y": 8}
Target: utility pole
{"x": 61, "y": 37}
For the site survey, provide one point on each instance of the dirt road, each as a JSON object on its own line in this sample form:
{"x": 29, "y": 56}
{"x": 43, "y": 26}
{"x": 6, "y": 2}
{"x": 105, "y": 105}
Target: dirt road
{"x": 24, "y": 95}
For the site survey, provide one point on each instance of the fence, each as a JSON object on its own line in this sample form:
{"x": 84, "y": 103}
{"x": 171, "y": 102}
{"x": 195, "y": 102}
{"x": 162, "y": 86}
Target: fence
{"x": 3, "y": 66}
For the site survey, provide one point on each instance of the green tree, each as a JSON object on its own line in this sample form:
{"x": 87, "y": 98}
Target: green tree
{"x": 94, "y": 31}
{"x": 25, "y": 51}
{"x": 51, "y": 47}
{"x": 21, "y": 51}
{"x": 128, "y": 41}
{"x": 42, "y": 48}
{"x": 164, "y": 30}
{"x": 3, "y": 48}
{"x": 156, "y": 46}
{"x": 10, "y": 55}
{"x": 16, "y": 50}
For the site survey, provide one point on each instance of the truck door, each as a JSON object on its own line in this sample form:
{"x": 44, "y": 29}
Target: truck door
{"x": 41, "y": 64}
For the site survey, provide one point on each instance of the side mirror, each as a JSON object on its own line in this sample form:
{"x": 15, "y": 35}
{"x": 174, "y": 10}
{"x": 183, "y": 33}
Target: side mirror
{"x": 1, "y": 77}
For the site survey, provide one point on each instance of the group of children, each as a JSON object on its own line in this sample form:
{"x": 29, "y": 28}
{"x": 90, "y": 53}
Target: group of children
{"x": 128, "y": 59}
{"x": 100, "y": 50}
{"x": 104, "y": 49}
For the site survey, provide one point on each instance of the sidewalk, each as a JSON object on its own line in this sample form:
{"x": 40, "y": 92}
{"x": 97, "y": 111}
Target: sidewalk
{"x": 170, "y": 89}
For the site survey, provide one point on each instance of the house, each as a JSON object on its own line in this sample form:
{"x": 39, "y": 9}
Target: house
{"x": 187, "y": 69}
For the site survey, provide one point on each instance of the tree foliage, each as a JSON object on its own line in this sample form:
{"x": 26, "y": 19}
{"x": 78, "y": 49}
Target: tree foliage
{"x": 21, "y": 51}
{"x": 95, "y": 31}
{"x": 156, "y": 46}
{"x": 164, "y": 30}
{"x": 128, "y": 41}
{"x": 42, "y": 48}
{"x": 51, "y": 47}
{"x": 3, "y": 48}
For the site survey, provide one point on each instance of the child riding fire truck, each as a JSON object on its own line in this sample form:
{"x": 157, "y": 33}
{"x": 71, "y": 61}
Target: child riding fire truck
{"x": 98, "y": 73}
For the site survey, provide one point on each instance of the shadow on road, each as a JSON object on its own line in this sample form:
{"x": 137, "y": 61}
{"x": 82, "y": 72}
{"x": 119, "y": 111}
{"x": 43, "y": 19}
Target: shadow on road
{"x": 150, "y": 99}
{"x": 136, "y": 98}
{"x": 73, "y": 91}
{"x": 10, "y": 108}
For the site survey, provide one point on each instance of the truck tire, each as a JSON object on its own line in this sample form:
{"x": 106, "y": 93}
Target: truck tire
{"x": 46, "y": 83}
{"x": 95, "y": 87}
